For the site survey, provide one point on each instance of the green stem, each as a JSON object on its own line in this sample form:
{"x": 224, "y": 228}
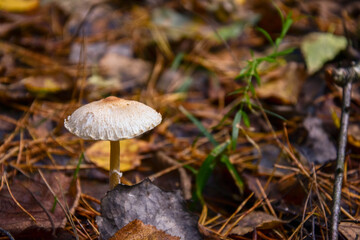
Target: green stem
{"x": 114, "y": 163}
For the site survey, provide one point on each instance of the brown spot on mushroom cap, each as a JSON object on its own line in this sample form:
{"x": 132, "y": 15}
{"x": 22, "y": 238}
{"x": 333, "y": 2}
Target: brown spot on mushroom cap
{"x": 112, "y": 119}
{"x": 113, "y": 99}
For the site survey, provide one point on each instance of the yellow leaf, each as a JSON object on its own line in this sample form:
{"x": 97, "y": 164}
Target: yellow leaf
{"x": 99, "y": 153}
{"x": 18, "y": 5}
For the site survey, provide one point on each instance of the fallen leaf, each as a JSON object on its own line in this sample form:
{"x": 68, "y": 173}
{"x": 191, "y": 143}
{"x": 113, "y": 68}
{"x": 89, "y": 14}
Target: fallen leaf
{"x": 253, "y": 220}
{"x": 148, "y": 203}
{"x": 36, "y": 198}
{"x": 317, "y": 146}
{"x": 174, "y": 24}
{"x": 138, "y": 230}
{"x": 98, "y": 86}
{"x": 130, "y": 149}
{"x": 18, "y": 5}
{"x": 130, "y": 71}
{"x": 271, "y": 155}
{"x": 41, "y": 86}
{"x": 349, "y": 230}
{"x": 354, "y": 134}
{"x": 318, "y": 48}
{"x": 283, "y": 84}
{"x": 14, "y": 92}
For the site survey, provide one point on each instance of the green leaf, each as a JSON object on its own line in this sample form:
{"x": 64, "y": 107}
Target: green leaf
{"x": 244, "y": 72}
{"x": 238, "y": 181}
{"x": 252, "y": 89}
{"x": 269, "y": 59}
{"x": 177, "y": 61}
{"x": 266, "y": 34}
{"x": 237, "y": 91}
{"x": 281, "y": 53}
{"x": 77, "y": 169}
{"x": 231, "y": 31}
{"x": 54, "y": 204}
{"x": 257, "y": 77}
{"x": 286, "y": 26}
{"x": 207, "y": 168}
{"x": 246, "y": 119}
{"x": 199, "y": 125}
{"x": 235, "y": 128}
{"x": 279, "y": 12}
{"x": 191, "y": 169}
{"x": 271, "y": 113}
{"x": 318, "y": 48}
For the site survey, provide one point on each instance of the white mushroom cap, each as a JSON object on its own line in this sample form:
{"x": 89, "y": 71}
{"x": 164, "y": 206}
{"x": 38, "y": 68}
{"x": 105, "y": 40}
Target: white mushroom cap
{"x": 112, "y": 119}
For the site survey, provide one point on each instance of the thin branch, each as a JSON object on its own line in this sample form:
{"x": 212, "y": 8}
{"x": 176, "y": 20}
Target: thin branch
{"x": 344, "y": 78}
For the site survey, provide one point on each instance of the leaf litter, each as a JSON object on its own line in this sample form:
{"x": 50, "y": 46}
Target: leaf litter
{"x": 276, "y": 127}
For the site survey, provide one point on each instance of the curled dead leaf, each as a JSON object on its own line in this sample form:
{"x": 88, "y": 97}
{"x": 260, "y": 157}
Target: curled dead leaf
{"x": 255, "y": 220}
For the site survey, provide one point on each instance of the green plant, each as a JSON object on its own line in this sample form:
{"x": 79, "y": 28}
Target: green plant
{"x": 248, "y": 74}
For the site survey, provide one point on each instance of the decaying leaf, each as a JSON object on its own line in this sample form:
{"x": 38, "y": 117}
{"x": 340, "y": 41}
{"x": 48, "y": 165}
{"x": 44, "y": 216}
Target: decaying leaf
{"x": 138, "y": 230}
{"x": 317, "y": 147}
{"x": 318, "y": 48}
{"x": 350, "y": 230}
{"x": 283, "y": 84}
{"x": 35, "y": 197}
{"x": 271, "y": 155}
{"x": 14, "y": 92}
{"x": 44, "y": 85}
{"x": 148, "y": 203}
{"x": 255, "y": 220}
{"x": 130, "y": 149}
{"x": 129, "y": 71}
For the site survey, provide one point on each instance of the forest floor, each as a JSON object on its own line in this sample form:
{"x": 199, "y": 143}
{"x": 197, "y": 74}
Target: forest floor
{"x": 250, "y": 118}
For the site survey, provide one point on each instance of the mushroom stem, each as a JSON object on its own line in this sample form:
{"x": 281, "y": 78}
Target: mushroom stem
{"x": 114, "y": 163}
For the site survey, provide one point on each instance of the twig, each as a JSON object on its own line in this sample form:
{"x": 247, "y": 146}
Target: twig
{"x": 344, "y": 78}
{"x": 7, "y": 234}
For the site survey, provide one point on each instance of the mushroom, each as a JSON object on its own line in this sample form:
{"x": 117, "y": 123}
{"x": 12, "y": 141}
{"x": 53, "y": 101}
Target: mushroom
{"x": 112, "y": 119}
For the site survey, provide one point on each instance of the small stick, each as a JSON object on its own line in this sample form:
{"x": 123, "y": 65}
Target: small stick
{"x": 344, "y": 78}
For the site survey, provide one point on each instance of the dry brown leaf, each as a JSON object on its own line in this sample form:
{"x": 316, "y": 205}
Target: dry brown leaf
{"x": 35, "y": 197}
{"x": 99, "y": 153}
{"x": 283, "y": 84}
{"x": 137, "y": 230}
{"x": 350, "y": 230}
{"x": 254, "y": 220}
